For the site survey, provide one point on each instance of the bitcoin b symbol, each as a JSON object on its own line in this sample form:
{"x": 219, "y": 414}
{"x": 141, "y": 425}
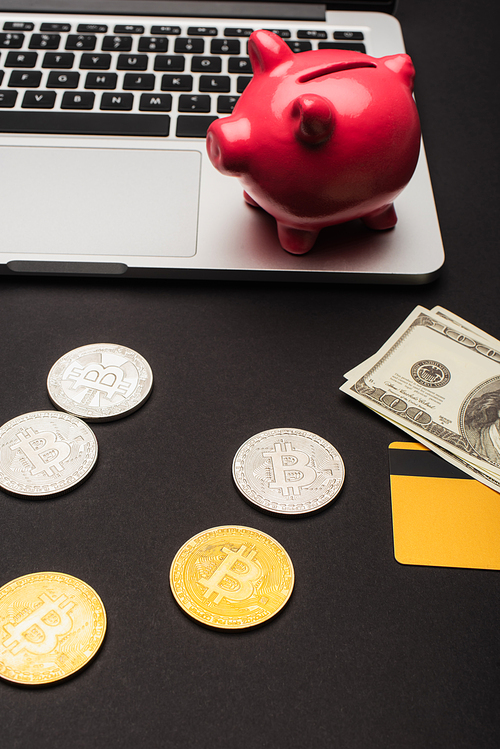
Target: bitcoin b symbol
{"x": 244, "y": 575}
{"x": 291, "y": 469}
{"x": 40, "y": 631}
{"x": 43, "y": 450}
{"x": 94, "y": 377}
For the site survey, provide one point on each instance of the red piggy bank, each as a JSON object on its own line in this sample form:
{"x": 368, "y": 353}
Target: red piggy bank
{"x": 319, "y": 138}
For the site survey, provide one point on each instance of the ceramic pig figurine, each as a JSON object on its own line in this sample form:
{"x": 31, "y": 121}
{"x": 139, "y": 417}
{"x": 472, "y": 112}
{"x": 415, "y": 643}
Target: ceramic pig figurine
{"x": 319, "y": 138}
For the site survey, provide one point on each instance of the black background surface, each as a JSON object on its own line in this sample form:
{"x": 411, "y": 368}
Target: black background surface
{"x": 367, "y": 653}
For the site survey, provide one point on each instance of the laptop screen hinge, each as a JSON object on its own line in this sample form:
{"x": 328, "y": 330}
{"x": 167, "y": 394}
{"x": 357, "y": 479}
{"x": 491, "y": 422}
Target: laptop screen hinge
{"x": 190, "y": 8}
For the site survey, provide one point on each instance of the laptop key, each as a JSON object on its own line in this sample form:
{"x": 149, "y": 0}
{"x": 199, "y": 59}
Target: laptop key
{"x": 95, "y": 62}
{"x": 85, "y": 123}
{"x": 58, "y": 60}
{"x": 101, "y": 80}
{"x": 8, "y": 98}
{"x": 77, "y": 100}
{"x": 225, "y": 47}
{"x": 193, "y": 126}
{"x": 202, "y": 31}
{"x": 155, "y": 103}
{"x": 81, "y": 41}
{"x": 92, "y": 28}
{"x": 69, "y": 79}
{"x": 153, "y": 44}
{"x": 25, "y": 78}
{"x": 242, "y": 82}
{"x": 226, "y": 104}
{"x": 165, "y": 30}
{"x": 39, "y": 99}
{"x": 283, "y": 33}
{"x": 206, "y": 64}
{"x": 239, "y": 65}
{"x": 237, "y": 32}
{"x": 311, "y": 34}
{"x": 191, "y": 46}
{"x": 139, "y": 82}
{"x": 354, "y": 46}
{"x": 300, "y": 46}
{"x": 117, "y": 101}
{"x": 55, "y": 27}
{"x": 132, "y": 62}
{"x": 1, "y": 76}
{"x": 177, "y": 83}
{"x": 220, "y": 83}
{"x": 21, "y": 59}
{"x": 128, "y": 29}
{"x": 45, "y": 41}
{"x": 348, "y": 35}
{"x": 194, "y": 103}
{"x": 170, "y": 62}
{"x": 18, "y": 26}
{"x": 14, "y": 41}
{"x": 117, "y": 43}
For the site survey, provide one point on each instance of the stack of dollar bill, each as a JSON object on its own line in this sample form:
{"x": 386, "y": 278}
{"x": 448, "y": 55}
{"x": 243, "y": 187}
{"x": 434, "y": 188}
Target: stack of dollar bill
{"x": 438, "y": 379}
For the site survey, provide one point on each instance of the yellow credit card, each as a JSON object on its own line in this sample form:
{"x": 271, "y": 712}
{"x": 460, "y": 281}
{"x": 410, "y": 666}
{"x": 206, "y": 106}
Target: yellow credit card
{"x": 441, "y": 517}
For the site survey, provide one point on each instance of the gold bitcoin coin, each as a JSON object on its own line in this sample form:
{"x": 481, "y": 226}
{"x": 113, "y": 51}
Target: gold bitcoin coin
{"x": 232, "y": 577}
{"x": 51, "y": 625}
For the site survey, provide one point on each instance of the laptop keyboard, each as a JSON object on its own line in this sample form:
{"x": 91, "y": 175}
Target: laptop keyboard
{"x": 119, "y": 77}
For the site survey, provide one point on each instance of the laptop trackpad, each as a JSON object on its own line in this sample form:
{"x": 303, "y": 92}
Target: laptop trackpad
{"x": 99, "y": 201}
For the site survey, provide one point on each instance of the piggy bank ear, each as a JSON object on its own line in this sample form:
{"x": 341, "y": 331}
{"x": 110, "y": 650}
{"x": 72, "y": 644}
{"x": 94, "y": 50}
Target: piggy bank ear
{"x": 266, "y": 51}
{"x": 402, "y": 66}
{"x": 314, "y": 118}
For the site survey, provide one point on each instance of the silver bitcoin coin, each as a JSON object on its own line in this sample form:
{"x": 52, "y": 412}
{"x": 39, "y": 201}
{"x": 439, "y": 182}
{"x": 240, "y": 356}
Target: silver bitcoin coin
{"x": 45, "y": 453}
{"x": 100, "y": 382}
{"x": 288, "y": 471}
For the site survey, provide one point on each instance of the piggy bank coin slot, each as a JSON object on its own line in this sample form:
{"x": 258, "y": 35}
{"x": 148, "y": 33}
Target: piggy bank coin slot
{"x": 336, "y": 67}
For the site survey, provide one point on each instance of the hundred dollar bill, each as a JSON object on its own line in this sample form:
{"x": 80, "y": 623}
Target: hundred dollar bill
{"x": 484, "y": 475}
{"x": 450, "y": 317}
{"x": 460, "y": 463}
{"x": 441, "y": 381}
{"x": 455, "y": 319}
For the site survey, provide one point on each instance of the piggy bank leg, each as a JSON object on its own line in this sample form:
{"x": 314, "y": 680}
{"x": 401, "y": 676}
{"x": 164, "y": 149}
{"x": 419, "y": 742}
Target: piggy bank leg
{"x": 292, "y": 240}
{"x": 296, "y": 241}
{"x": 383, "y": 218}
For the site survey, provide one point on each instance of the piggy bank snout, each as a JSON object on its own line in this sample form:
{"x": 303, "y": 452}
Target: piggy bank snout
{"x": 214, "y": 149}
{"x": 227, "y": 145}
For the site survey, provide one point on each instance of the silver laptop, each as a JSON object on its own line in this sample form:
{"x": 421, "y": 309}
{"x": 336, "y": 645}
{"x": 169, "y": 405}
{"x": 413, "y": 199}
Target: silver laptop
{"x": 104, "y": 107}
